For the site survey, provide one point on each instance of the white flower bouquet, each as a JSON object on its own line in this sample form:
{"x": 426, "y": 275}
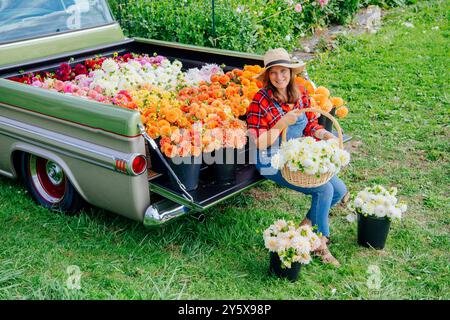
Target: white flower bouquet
{"x": 310, "y": 156}
{"x": 291, "y": 243}
{"x": 115, "y": 76}
{"x": 379, "y": 202}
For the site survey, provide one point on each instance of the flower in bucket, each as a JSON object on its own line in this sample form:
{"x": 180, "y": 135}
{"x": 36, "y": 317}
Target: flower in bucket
{"x": 230, "y": 133}
{"x": 311, "y": 157}
{"x": 183, "y": 142}
{"x": 291, "y": 243}
{"x": 379, "y": 202}
{"x": 235, "y": 135}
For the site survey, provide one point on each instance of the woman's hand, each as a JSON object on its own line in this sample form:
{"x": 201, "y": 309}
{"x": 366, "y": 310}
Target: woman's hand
{"x": 288, "y": 119}
{"x": 268, "y": 138}
{"x": 323, "y": 134}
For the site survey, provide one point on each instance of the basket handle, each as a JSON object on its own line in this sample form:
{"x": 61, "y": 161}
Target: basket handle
{"x": 326, "y": 114}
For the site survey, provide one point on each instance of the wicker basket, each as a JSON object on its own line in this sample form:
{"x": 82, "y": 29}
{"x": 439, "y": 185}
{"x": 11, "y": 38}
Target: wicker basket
{"x": 299, "y": 179}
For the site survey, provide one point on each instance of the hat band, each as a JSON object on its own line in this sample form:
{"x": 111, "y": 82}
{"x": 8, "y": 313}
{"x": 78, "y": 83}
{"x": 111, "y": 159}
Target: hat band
{"x": 277, "y": 62}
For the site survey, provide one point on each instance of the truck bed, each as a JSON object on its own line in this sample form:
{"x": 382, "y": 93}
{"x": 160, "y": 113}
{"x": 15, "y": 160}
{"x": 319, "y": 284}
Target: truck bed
{"x": 209, "y": 191}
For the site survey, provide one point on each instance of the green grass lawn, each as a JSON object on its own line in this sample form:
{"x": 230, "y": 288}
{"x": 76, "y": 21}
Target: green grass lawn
{"x": 396, "y": 83}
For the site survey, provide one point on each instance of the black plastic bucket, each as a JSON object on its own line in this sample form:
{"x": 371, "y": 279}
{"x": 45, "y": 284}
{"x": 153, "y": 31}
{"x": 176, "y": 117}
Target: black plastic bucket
{"x": 187, "y": 170}
{"x": 225, "y": 166}
{"x": 155, "y": 161}
{"x": 288, "y": 273}
{"x": 325, "y": 122}
{"x": 373, "y": 231}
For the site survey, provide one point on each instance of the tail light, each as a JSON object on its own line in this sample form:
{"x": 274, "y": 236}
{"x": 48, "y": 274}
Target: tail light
{"x": 138, "y": 164}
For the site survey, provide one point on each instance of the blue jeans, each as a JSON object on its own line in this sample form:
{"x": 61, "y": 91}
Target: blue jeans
{"x": 324, "y": 198}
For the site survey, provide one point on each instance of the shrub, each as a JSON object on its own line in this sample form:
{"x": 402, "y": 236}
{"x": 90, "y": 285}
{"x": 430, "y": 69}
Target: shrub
{"x": 249, "y": 26}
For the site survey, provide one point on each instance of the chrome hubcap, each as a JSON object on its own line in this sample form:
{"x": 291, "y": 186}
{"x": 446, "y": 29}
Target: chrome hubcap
{"x": 54, "y": 172}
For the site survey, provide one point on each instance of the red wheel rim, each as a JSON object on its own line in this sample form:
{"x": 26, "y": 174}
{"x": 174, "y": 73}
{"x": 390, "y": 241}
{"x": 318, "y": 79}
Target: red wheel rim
{"x": 48, "y": 179}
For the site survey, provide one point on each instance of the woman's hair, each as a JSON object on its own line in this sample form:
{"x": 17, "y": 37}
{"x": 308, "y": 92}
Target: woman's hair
{"x": 293, "y": 91}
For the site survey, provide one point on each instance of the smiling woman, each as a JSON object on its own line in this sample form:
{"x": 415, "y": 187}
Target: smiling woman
{"x": 25, "y": 19}
{"x": 276, "y": 108}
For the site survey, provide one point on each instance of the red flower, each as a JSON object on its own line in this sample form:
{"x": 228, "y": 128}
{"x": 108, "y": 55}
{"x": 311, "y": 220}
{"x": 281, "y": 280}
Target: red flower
{"x": 127, "y": 56}
{"x": 99, "y": 61}
{"x": 93, "y": 64}
{"x": 64, "y": 72}
{"x": 80, "y": 69}
{"x": 132, "y": 106}
{"x": 90, "y": 63}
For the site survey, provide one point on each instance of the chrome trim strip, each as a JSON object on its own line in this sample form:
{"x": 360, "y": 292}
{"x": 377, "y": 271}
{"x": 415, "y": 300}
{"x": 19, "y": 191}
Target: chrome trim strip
{"x": 6, "y": 174}
{"x": 183, "y": 46}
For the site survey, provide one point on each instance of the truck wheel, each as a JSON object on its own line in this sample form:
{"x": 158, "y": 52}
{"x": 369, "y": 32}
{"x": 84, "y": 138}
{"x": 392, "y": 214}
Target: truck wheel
{"x": 48, "y": 185}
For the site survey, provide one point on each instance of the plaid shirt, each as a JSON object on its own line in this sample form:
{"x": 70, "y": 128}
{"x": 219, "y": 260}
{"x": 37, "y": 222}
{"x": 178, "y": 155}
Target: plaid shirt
{"x": 262, "y": 114}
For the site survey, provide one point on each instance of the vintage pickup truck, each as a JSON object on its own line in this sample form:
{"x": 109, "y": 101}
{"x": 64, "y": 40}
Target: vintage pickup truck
{"x": 71, "y": 151}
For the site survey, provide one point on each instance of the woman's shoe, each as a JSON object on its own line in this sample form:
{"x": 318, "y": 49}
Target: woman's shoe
{"x": 327, "y": 257}
{"x": 306, "y": 222}
{"x": 345, "y": 198}
{"x": 324, "y": 253}
{"x": 343, "y": 203}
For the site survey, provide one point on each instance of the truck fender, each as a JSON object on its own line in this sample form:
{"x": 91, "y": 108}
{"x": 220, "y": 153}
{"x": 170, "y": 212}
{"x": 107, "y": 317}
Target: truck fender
{"x": 47, "y": 154}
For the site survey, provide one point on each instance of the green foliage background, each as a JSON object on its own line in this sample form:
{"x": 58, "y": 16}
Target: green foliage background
{"x": 247, "y": 26}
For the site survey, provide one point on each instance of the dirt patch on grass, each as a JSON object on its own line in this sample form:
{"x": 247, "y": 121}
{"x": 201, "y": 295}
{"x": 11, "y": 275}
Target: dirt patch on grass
{"x": 412, "y": 162}
{"x": 260, "y": 195}
{"x": 353, "y": 146}
{"x": 369, "y": 253}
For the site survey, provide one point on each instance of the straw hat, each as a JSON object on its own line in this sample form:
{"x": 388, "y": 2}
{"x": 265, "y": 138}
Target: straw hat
{"x": 279, "y": 57}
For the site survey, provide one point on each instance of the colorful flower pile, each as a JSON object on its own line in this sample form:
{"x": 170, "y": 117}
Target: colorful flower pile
{"x": 310, "y": 156}
{"x": 231, "y": 134}
{"x": 379, "y": 202}
{"x": 291, "y": 243}
{"x": 171, "y": 102}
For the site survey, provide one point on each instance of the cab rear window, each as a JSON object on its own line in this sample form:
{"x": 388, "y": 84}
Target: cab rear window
{"x": 25, "y": 19}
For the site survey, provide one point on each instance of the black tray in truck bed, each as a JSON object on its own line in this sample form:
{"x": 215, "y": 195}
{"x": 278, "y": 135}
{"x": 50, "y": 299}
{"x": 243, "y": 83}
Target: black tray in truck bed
{"x": 209, "y": 192}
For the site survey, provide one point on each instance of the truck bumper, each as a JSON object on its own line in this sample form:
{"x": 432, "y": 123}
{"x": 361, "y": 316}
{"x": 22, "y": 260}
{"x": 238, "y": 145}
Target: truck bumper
{"x": 163, "y": 211}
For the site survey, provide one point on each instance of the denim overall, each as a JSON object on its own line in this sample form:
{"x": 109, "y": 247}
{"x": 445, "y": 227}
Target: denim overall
{"x": 293, "y": 132}
{"x": 323, "y": 197}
